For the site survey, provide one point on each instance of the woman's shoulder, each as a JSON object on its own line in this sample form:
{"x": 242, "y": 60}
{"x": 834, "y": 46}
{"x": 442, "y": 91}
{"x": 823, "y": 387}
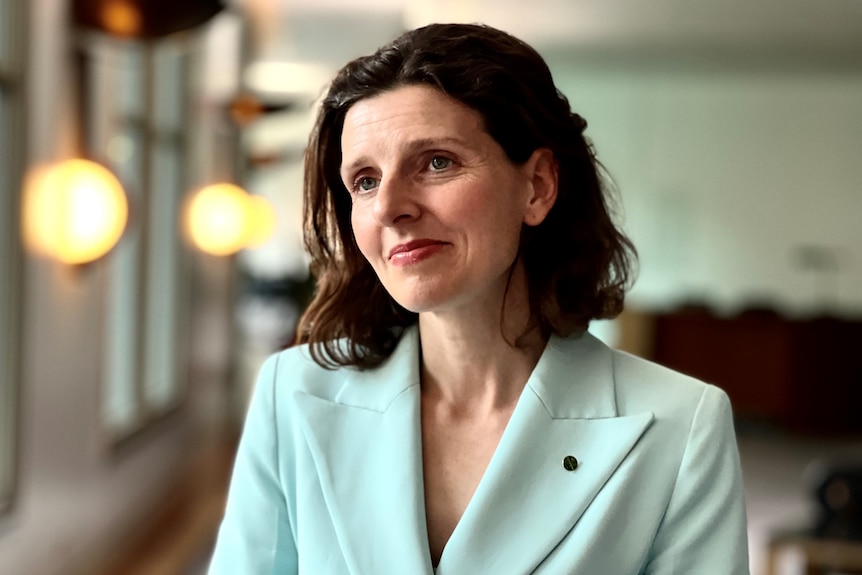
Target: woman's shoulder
{"x": 633, "y": 384}
{"x": 295, "y": 370}
{"x": 645, "y": 385}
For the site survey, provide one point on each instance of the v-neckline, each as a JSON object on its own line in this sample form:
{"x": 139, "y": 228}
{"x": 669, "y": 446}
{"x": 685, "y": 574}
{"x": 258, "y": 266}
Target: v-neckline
{"x": 483, "y": 479}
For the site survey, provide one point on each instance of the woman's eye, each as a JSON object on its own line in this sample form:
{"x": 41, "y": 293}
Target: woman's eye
{"x": 365, "y": 184}
{"x": 440, "y": 163}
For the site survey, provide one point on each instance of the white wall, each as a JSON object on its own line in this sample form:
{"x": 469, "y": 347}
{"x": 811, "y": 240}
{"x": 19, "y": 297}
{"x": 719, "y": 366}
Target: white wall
{"x": 75, "y": 502}
{"x": 725, "y": 173}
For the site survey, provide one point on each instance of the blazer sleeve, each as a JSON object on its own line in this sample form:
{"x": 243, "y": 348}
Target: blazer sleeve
{"x": 255, "y": 536}
{"x": 704, "y": 530}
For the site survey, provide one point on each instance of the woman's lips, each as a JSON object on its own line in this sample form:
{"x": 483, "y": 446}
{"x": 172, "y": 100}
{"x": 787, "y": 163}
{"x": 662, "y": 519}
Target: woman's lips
{"x": 414, "y": 252}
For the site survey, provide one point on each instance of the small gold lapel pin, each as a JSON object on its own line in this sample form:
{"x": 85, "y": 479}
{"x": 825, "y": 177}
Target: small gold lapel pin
{"x": 570, "y": 463}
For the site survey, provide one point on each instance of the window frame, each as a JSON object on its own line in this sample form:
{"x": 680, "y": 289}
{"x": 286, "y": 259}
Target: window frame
{"x": 137, "y": 275}
{"x": 12, "y": 163}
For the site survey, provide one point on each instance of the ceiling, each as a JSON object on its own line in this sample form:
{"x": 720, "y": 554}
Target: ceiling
{"x": 808, "y": 33}
{"x": 299, "y": 44}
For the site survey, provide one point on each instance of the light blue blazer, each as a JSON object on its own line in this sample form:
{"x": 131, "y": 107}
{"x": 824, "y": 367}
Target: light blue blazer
{"x": 328, "y": 475}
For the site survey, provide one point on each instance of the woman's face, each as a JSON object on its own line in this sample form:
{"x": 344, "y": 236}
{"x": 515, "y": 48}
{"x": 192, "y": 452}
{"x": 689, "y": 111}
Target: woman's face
{"x": 437, "y": 205}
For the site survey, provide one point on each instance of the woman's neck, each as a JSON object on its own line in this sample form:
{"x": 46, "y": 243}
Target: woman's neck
{"x": 469, "y": 357}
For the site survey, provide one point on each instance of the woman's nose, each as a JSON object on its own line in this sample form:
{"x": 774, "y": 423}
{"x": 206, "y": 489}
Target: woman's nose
{"x": 395, "y": 202}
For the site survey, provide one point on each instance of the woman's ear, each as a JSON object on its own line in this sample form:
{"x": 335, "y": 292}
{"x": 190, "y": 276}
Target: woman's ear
{"x": 542, "y": 176}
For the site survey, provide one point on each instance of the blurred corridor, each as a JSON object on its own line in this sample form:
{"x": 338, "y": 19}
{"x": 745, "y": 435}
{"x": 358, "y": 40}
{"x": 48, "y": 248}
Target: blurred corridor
{"x": 732, "y": 130}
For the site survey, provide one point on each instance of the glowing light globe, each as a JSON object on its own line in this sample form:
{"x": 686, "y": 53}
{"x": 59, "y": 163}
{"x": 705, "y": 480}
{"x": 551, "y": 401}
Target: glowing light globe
{"x": 223, "y": 219}
{"x": 74, "y": 211}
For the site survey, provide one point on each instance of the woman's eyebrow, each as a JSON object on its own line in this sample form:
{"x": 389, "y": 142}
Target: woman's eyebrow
{"x": 426, "y": 143}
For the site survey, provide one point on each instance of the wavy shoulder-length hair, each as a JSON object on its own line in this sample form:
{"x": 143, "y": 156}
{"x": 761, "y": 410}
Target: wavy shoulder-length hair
{"x": 577, "y": 262}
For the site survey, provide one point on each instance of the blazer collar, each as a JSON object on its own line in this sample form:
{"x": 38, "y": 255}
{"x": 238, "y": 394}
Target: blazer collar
{"x": 367, "y": 448}
{"x": 585, "y": 390}
{"x": 376, "y": 389}
{"x": 574, "y": 378}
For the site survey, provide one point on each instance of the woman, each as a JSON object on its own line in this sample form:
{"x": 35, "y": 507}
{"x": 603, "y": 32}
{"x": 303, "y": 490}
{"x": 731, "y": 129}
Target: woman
{"x": 449, "y": 411}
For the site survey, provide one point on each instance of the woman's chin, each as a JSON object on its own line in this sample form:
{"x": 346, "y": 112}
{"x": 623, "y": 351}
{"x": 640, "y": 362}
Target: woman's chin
{"x": 439, "y": 303}
{"x": 447, "y": 296}
{"x": 418, "y": 305}
{"x": 424, "y": 301}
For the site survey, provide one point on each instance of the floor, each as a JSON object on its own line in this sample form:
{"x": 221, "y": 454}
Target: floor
{"x": 778, "y": 472}
{"x": 180, "y": 536}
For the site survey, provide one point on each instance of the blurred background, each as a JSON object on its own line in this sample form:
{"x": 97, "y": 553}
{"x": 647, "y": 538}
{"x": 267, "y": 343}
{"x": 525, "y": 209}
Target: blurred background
{"x": 150, "y": 244}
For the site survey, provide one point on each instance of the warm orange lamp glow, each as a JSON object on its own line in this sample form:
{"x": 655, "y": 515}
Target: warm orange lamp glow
{"x": 121, "y": 17}
{"x": 223, "y": 219}
{"x": 74, "y": 211}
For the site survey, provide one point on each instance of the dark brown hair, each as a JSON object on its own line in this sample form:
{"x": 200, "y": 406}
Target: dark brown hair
{"x": 577, "y": 262}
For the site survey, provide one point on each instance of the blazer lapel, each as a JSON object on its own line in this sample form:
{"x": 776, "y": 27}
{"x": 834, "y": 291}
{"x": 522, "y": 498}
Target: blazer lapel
{"x": 527, "y": 501}
{"x": 366, "y": 445}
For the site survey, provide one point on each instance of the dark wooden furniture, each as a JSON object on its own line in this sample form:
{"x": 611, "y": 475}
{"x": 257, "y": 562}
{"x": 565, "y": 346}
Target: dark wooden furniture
{"x": 800, "y": 374}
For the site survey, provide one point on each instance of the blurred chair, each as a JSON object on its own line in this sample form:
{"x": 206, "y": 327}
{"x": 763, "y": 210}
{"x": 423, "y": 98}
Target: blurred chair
{"x": 834, "y": 541}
